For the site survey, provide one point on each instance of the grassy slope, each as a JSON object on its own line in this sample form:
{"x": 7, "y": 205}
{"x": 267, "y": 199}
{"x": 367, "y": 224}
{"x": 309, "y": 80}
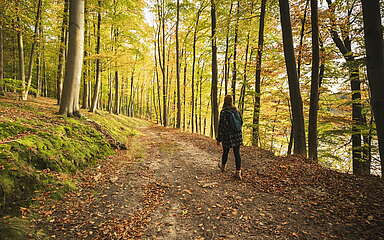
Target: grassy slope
{"x": 39, "y": 149}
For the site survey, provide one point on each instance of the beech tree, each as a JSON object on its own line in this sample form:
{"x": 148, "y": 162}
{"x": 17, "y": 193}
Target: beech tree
{"x": 215, "y": 111}
{"x": 259, "y": 57}
{"x": 293, "y": 81}
{"x": 375, "y": 66}
{"x": 71, "y": 89}
{"x": 314, "y": 97}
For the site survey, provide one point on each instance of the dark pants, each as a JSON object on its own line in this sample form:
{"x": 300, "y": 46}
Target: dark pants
{"x": 236, "y": 152}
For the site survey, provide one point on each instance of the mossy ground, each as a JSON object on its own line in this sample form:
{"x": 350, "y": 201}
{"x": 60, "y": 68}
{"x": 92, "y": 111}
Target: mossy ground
{"x": 40, "y": 150}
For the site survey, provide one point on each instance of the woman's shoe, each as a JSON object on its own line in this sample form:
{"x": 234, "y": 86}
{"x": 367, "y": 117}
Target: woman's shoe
{"x": 238, "y": 175}
{"x": 221, "y": 166}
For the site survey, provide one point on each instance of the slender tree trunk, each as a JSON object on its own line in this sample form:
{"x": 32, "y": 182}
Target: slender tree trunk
{"x": 165, "y": 110}
{"x": 245, "y": 80}
{"x": 184, "y": 94}
{"x": 85, "y": 71}
{"x": 20, "y": 46}
{"x": 293, "y": 81}
{"x": 2, "y": 90}
{"x": 302, "y": 33}
{"x": 345, "y": 47}
{"x": 314, "y": 95}
{"x": 375, "y": 66}
{"x": 63, "y": 43}
{"x": 256, "y": 110}
{"x": 117, "y": 94}
{"x": 110, "y": 103}
{"x": 234, "y": 70}
{"x": 69, "y": 104}
{"x": 193, "y": 68}
{"x": 178, "y": 118}
{"x": 32, "y": 55}
{"x": 226, "y": 60}
{"x": 215, "y": 110}
{"x": 98, "y": 82}
{"x": 117, "y": 83}
{"x": 38, "y": 71}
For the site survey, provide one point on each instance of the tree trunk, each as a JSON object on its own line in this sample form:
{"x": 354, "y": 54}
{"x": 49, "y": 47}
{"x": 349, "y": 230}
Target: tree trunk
{"x": 234, "y": 70}
{"x": 314, "y": 95}
{"x": 345, "y": 47}
{"x": 117, "y": 94}
{"x": 2, "y": 92}
{"x": 184, "y": 93}
{"x": 226, "y": 58}
{"x": 215, "y": 110}
{"x": 97, "y": 84}
{"x": 117, "y": 87}
{"x": 194, "y": 67}
{"x": 178, "y": 118}
{"x": 32, "y": 55}
{"x": 245, "y": 80}
{"x": 375, "y": 66}
{"x": 69, "y": 104}
{"x": 85, "y": 71}
{"x": 20, "y": 45}
{"x": 165, "y": 109}
{"x": 63, "y": 43}
{"x": 293, "y": 81}
{"x": 302, "y": 33}
{"x": 110, "y": 103}
{"x": 256, "y": 110}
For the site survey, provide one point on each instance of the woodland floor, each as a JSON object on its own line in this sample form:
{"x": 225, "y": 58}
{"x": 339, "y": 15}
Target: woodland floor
{"x": 167, "y": 186}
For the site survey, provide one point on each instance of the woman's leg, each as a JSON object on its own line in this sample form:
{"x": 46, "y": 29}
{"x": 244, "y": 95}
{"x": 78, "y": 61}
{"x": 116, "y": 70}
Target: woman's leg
{"x": 236, "y": 151}
{"x": 224, "y": 158}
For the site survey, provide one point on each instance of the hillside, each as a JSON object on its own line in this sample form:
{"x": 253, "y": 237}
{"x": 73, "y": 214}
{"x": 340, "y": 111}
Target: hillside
{"x": 166, "y": 184}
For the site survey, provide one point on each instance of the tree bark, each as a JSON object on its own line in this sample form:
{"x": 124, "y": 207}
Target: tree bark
{"x": 314, "y": 95}
{"x": 86, "y": 70}
{"x": 226, "y": 58}
{"x": 70, "y": 100}
{"x": 215, "y": 110}
{"x": 32, "y": 55}
{"x": 178, "y": 118}
{"x": 117, "y": 83}
{"x": 117, "y": 94}
{"x": 302, "y": 33}
{"x": 165, "y": 109}
{"x": 96, "y": 91}
{"x": 1, "y": 60}
{"x": 234, "y": 70}
{"x": 63, "y": 43}
{"x": 194, "y": 67}
{"x": 293, "y": 81}
{"x": 375, "y": 66}
{"x": 345, "y": 47}
{"x": 256, "y": 109}
{"x": 20, "y": 46}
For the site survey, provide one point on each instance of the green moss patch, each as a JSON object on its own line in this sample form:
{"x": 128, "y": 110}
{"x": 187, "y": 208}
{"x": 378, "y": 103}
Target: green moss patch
{"x": 10, "y": 129}
{"x": 38, "y": 148}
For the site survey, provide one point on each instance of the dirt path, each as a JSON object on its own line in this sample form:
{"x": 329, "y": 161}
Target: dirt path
{"x": 167, "y": 187}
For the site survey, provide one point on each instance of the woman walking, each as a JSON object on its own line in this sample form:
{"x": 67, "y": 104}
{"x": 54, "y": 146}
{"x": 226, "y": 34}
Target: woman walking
{"x": 230, "y": 133}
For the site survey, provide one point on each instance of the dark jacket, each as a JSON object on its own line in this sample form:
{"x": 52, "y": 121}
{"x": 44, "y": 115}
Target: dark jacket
{"x": 226, "y": 134}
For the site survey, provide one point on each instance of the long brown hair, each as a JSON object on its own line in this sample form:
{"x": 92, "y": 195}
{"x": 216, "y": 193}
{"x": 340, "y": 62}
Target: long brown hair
{"x": 228, "y": 102}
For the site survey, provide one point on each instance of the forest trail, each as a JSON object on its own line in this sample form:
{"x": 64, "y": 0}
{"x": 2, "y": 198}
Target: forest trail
{"x": 168, "y": 186}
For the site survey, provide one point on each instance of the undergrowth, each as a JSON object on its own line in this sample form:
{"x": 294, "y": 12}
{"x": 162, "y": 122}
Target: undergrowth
{"x": 40, "y": 150}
